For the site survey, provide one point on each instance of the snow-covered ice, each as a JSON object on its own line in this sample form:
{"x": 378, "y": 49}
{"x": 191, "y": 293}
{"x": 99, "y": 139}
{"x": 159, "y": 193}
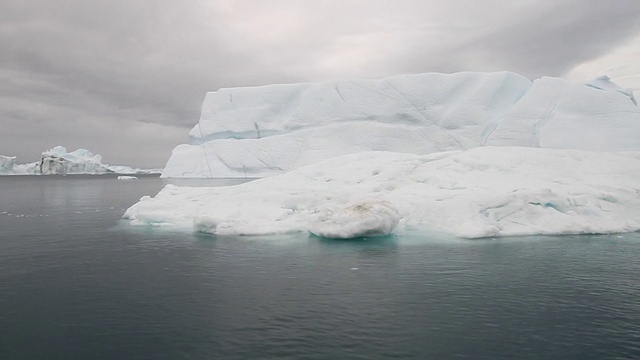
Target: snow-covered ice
{"x": 472, "y": 154}
{"x": 268, "y": 130}
{"x": 58, "y": 161}
{"x": 126, "y": 177}
{"x": 485, "y": 191}
{"x": 559, "y": 114}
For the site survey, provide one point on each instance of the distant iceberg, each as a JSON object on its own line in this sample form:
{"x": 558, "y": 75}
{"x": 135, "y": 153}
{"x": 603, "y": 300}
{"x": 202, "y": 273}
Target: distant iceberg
{"x": 482, "y": 192}
{"x": 268, "y": 130}
{"x": 7, "y": 164}
{"x": 58, "y": 161}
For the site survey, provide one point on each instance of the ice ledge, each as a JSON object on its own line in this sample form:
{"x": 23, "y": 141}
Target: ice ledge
{"x": 486, "y": 191}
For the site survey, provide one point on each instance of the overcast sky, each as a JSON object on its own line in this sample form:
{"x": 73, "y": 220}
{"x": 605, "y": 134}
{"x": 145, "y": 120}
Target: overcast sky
{"x": 126, "y": 79}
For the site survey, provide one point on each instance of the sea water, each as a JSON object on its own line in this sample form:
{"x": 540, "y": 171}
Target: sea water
{"x": 77, "y": 282}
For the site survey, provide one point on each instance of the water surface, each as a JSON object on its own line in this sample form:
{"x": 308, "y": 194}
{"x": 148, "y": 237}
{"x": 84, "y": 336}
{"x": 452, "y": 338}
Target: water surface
{"x": 77, "y": 283}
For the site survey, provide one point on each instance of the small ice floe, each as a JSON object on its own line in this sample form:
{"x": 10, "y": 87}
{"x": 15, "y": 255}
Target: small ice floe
{"x": 362, "y": 219}
{"x": 127, "y": 177}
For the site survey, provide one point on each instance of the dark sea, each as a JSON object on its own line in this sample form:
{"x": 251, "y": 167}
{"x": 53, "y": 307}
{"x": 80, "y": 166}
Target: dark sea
{"x": 77, "y": 282}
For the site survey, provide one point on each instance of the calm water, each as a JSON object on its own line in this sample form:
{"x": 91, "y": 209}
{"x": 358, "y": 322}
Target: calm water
{"x": 77, "y": 283}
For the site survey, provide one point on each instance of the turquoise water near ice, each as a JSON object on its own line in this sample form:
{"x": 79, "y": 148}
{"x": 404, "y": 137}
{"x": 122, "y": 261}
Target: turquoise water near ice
{"x": 76, "y": 282}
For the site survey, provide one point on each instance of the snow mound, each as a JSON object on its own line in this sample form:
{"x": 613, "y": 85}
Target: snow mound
{"x": 268, "y": 130}
{"x": 363, "y": 219}
{"x": 58, "y": 161}
{"x": 485, "y": 191}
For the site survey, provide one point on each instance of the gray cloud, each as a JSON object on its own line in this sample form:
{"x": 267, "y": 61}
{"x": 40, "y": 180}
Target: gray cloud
{"x": 553, "y": 41}
{"x": 126, "y": 79}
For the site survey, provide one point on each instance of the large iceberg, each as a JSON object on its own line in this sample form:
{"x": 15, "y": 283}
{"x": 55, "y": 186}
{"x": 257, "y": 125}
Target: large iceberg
{"x": 472, "y": 154}
{"x": 268, "y": 130}
{"x": 485, "y": 191}
{"x": 58, "y": 161}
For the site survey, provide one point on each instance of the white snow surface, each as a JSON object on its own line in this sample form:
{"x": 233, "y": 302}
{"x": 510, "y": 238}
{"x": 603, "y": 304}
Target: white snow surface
{"x": 268, "y": 130}
{"x": 482, "y": 192}
{"x": 58, "y": 161}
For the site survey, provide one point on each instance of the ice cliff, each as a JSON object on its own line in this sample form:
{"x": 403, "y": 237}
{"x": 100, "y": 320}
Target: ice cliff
{"x": 58, "y": 161}
{"x": 262, "y": 131}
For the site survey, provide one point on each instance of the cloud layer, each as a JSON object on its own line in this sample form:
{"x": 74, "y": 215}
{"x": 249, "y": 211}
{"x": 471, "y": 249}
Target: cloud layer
{"x": 126, "y": 79}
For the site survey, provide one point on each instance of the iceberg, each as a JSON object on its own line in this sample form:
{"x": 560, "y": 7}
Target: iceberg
{"x": 471, "y": 154}
{"x": 7, "y": 163}
{"x": 58, "y": 161}
{"x": 269, "y": 130}
{"x": 481, "y": 192}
